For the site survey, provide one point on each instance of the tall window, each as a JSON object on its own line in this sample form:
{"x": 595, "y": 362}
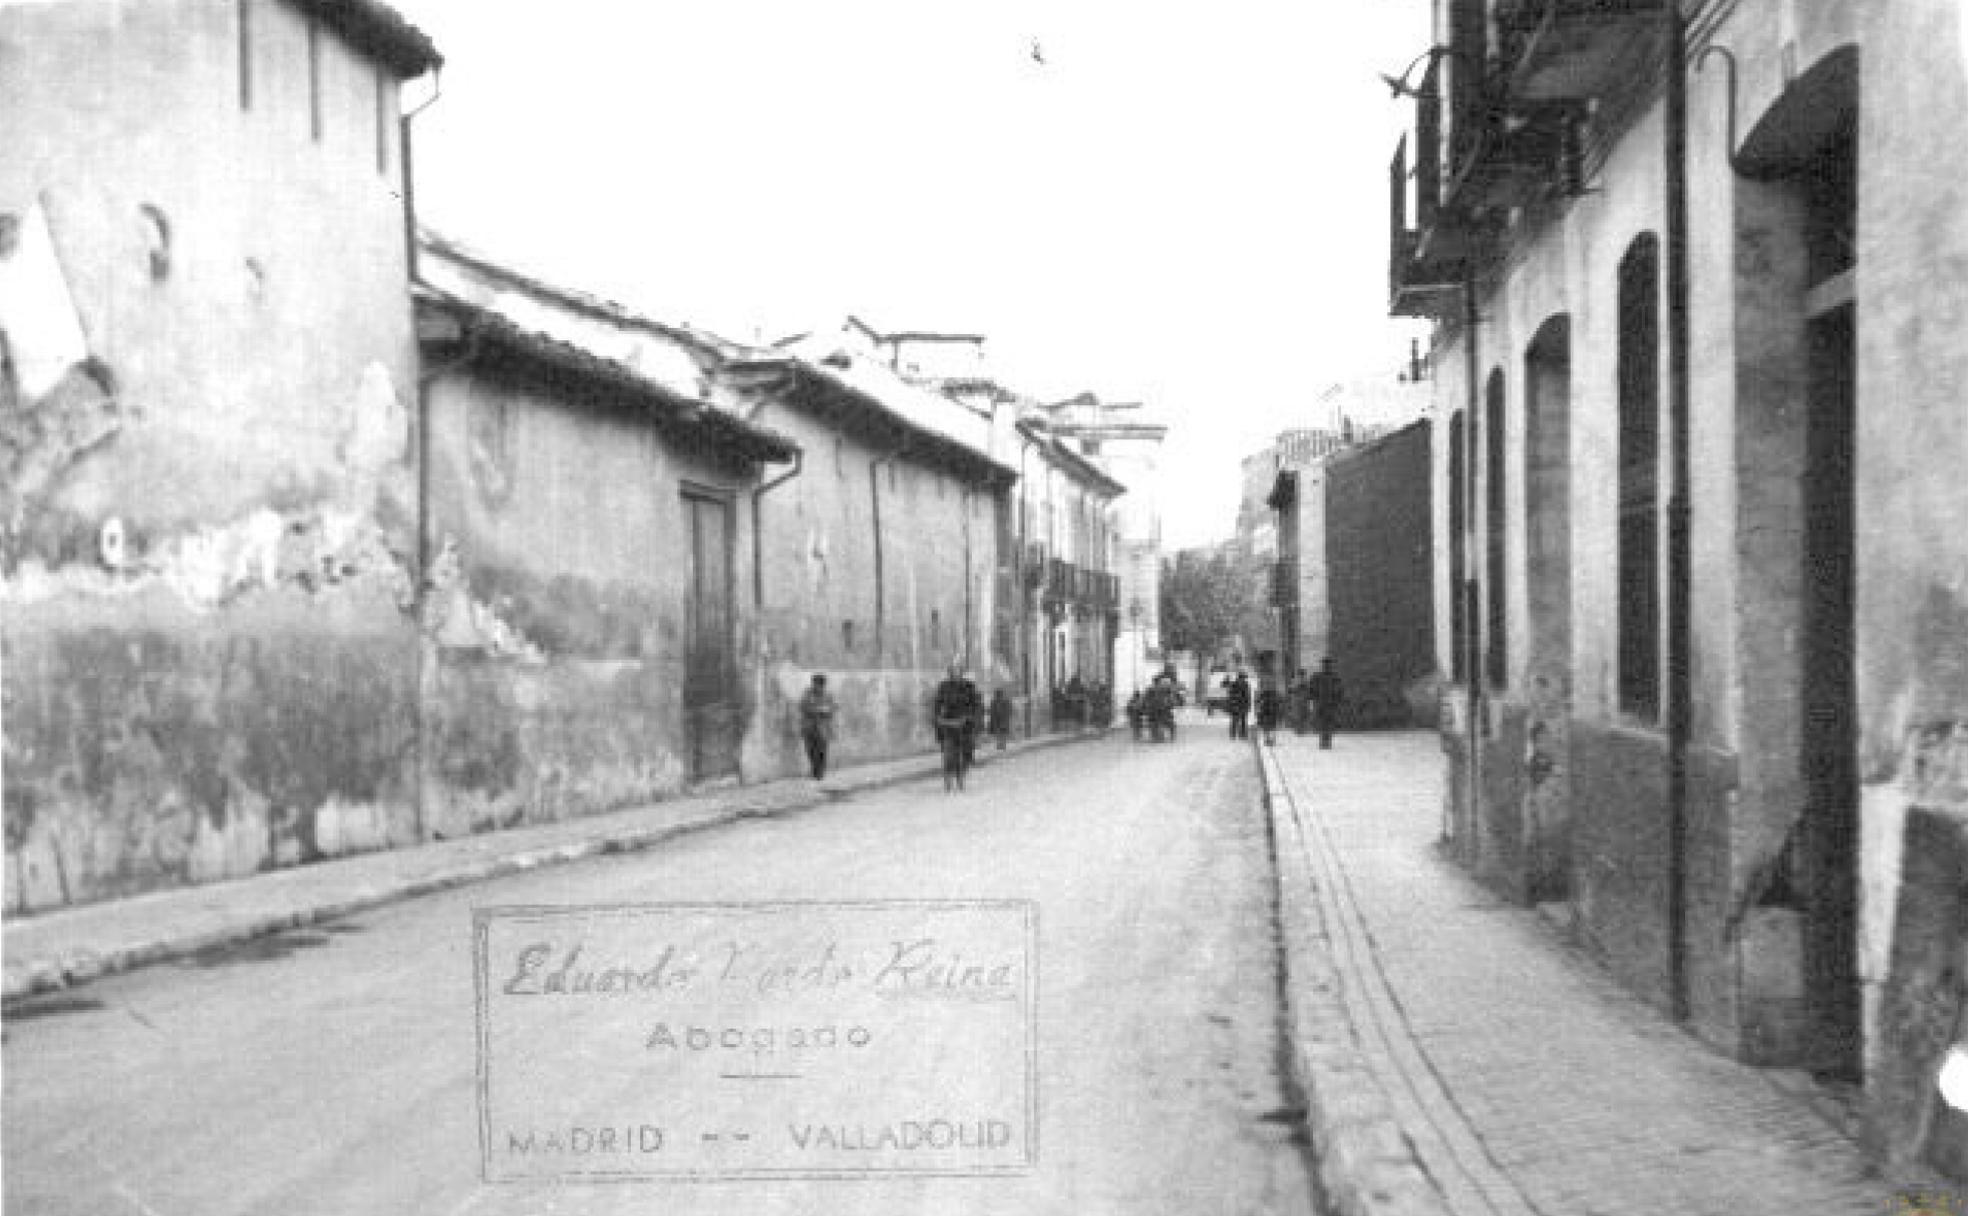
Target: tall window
{"x": 1458, "y": 617}
{"x": 1639, "y": 492}
{"x": 1496, "y": 659}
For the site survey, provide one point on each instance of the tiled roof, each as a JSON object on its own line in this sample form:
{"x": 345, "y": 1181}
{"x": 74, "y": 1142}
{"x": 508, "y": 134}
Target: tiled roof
{"x": 498, "y": 334}
{"x": 380, "y": 30}
{"x": 580, "y": 301}
{"x": 817, "y": 384}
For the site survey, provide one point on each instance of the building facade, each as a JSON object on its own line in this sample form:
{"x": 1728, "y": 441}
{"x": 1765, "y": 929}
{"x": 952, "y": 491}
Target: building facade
{"x": 879, "y": 558}
{"x": 1071, "y": 602}
{"x": 1125, "y": 441}
{"x": 1700, "y": 534}
{"x": 1354, "y": 575}
{"x": 587, "y": 523}
{"x": 208, "y": 563}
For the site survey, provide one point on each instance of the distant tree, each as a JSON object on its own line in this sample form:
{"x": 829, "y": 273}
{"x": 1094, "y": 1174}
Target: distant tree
{"x": 1204, "y": 601}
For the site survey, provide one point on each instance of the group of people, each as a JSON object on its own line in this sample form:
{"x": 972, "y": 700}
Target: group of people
{"x": 1082, "y": 704}
{"x": 957, "y": 707}
{"x": 1312, "y": 700}
{"x": 1153, "y": 711}
{"x": 956, "y": 710}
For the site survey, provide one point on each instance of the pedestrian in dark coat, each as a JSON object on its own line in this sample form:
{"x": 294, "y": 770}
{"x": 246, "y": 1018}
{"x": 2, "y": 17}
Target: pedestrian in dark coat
{"x": 1327, "y": 695}
{"x": 1270, "y": 708}
{"x": 1000, "y": 717}
{"x": 1240, "y": 707}
{"x": 1298, "y": 702}
{"x": 816, "y": 710}
{"x": 957, "y": 708}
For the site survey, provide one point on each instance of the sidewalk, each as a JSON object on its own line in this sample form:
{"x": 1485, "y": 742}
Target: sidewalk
{"x": 61, "y": 949}
{"x": 1459, "y": 1058}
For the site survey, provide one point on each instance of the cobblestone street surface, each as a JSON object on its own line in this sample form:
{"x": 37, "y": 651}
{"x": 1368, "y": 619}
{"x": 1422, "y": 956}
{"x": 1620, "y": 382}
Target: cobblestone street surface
{"x": 1525, "y": 1081}
{"x": 331, "y": 1069}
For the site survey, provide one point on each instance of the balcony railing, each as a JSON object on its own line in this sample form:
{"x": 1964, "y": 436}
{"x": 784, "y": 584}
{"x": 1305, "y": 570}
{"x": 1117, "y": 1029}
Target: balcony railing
{"x": 1516, "y": 115}
{"x": 1423, "y": 274}
{"x": 1574, "y": 50}
{"x": 1070, "y": 584}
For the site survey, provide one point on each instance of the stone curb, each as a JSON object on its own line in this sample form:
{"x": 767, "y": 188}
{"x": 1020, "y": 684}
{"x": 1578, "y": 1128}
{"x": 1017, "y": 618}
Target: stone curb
{"x": 183, "y": 931}
{"x": 1365, "y": 1163}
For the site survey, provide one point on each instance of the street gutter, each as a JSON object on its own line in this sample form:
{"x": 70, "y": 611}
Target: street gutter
{"x": 1364, "y": 1163}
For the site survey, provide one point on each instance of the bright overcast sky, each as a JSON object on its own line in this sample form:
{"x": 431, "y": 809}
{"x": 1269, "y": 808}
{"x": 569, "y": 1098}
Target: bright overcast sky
{"x": 1183, "y": 204}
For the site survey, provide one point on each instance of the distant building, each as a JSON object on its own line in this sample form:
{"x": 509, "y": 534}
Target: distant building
{"x": 1062, "y": 559}
{"x": 1393, "y": 401}
{"x": 1352, "y": 579}
{"x": 1066, "y": 522}
{"x": 880, "y": 558}
{"x": 1125, "y": 441}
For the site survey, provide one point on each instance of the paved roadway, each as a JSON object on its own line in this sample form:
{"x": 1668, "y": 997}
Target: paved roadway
{"x": 333, "y": 1070}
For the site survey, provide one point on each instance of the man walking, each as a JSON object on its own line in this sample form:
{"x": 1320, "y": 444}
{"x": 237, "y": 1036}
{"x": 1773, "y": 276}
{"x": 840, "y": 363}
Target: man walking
{"x": 816, "y": 710}
{"x": 1239, "y": 706}
{"x": 958, "y": 704}
{"x": 1327, "y": 695}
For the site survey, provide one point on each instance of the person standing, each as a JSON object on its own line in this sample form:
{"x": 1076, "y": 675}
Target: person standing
{"x": 1270, "y": 707}
{"x": 817, "y": 708}
{"x": 1327, "y": 695}
{"x": 1076, "y": 701}
{"x": 1000, "y": 717}
{"x": 1239, "y": 707}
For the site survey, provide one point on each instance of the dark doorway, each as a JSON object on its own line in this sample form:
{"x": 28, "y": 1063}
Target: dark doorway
{"x": 1548, "y": 587}
{"x": 710, "y": 679}
{"x": 1829, "y": 835}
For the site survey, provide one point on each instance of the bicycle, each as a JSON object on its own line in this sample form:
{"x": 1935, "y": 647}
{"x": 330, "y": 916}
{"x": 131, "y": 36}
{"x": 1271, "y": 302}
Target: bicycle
{"x": 956, "y": 754}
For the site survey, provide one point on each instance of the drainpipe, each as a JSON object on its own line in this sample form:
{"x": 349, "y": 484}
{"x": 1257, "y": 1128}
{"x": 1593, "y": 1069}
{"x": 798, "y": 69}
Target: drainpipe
{"x": 1024, "y": 583}
{"x": 407, "y": 171}
{"x": 874, "y": 496}
{"x": 1679, "y": 707}
{"x": 758, "y": 546}
{"x": 969, "y": 608}
{"x": 426, "y": 377}
{"x": 1470, "y": 591}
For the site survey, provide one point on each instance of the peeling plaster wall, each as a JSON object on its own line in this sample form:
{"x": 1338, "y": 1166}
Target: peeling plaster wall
{"x": 1912, "y": 514}
{"x": 556, "y": 612}
{"x": 206, "y": 541}
{"x": 819, "y": 594}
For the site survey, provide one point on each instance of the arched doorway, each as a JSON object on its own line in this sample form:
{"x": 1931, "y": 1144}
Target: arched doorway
{"x": 1548, "y": 586}
{"x": 1796, "y": 200}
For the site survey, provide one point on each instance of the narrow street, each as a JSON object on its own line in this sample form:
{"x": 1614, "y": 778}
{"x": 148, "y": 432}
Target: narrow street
{"x": 333, "y": 1070}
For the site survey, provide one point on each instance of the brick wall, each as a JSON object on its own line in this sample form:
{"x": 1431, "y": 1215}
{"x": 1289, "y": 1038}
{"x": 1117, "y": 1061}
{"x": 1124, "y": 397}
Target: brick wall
{"x": 1379, "y": 575}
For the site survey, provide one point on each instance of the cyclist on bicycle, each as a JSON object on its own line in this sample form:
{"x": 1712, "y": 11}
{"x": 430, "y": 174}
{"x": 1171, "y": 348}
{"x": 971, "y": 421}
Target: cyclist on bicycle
{"x": 957, "y": 702}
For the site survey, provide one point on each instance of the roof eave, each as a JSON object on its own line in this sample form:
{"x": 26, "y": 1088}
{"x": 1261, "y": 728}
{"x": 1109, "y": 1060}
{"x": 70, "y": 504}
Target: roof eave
{"x": 381, "y": 31}
{"x": 915, "y": 436}
{"x": 480, "y": 327}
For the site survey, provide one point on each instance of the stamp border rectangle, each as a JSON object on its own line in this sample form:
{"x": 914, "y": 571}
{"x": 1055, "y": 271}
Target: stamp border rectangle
{"x": 481, "y": 921}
